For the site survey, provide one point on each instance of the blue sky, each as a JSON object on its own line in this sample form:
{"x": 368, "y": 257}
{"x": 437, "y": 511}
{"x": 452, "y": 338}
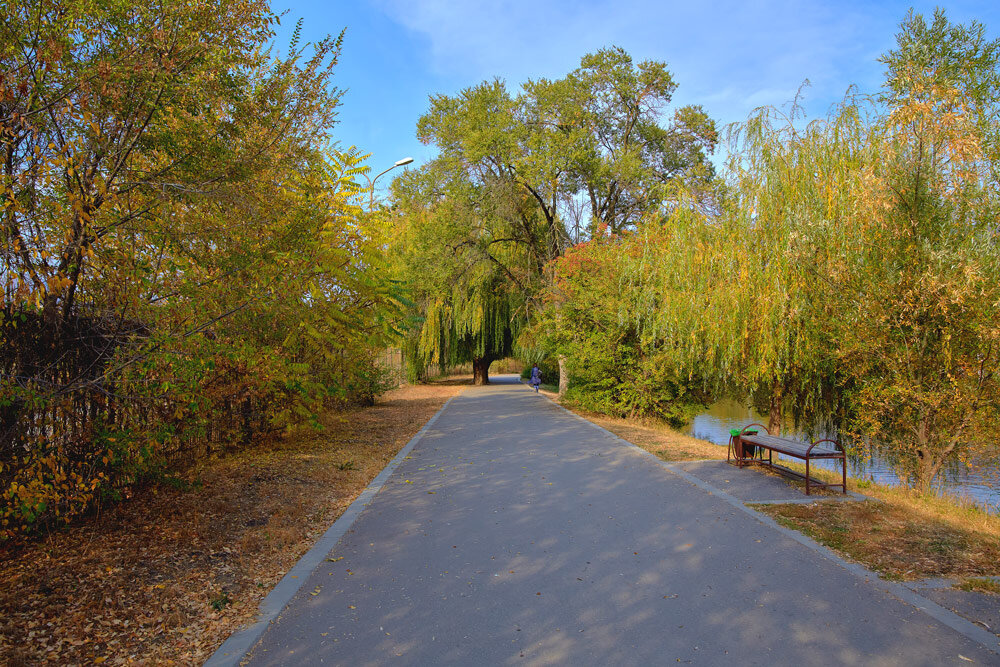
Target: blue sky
{"x": 730, "y": 57}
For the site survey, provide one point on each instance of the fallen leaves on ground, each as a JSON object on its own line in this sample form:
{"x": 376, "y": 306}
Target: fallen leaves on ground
{"x": 894, "y": 540}
{"x": 163, "y": 579}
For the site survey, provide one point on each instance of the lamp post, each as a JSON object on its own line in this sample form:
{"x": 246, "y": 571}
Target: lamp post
{"x": 398, "y": 163}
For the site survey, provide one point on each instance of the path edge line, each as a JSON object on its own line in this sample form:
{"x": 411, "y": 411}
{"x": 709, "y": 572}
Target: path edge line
{"x": 234, "y": 649}
{"x": 970, "y": 630}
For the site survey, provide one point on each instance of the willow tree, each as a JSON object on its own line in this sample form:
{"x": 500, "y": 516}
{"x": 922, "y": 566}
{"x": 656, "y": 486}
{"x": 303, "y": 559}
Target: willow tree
{"x": 721, "y": 295}
{"x": 770, "y": 320}
{"x": 862, "y": 260}
{"x": 916, "y": 264}
{"x": 468, "y": 272}
{"x": 604, "y": 300}
{"x": 587, "y": 154}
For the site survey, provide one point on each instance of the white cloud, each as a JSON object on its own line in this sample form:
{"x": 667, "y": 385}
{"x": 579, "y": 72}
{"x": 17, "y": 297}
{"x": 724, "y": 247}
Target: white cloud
{"x": 745, "y": 48}
{"x": 513, "y": 39}
{"x": 730, "y": 56}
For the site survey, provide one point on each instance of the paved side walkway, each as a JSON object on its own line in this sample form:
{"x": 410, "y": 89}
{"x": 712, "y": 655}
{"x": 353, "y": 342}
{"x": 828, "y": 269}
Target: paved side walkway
{"x": 517, "y": 534}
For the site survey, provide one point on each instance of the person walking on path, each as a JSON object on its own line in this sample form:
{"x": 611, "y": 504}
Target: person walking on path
{"x": 536, "y": 377}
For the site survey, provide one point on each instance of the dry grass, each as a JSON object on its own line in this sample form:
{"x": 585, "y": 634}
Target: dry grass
{"x": 953, "y": 511}
{"x": 900, "y": 536}
{"x": 166, "y": 577}
{"x": 980, "y": 585}
{"x": 899, "y": 533}
{"x": 652, "y": 435}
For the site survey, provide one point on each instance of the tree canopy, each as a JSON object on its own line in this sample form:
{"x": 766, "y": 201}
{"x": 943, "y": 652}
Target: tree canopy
{"x": 560, "y": 161}
{"x": 846, "y": 274}
{"x": 184, "y": 261}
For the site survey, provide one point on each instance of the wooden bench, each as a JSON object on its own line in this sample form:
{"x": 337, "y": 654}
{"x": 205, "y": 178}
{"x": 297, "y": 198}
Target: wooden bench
{"x": 749, "y": 445}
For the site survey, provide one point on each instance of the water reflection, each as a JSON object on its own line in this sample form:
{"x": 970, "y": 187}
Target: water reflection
{"x": 714, "y": 424}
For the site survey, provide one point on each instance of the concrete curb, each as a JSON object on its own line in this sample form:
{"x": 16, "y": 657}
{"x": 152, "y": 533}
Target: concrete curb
{"x": 942, "y": 582}
{"x": 967, "y": 628}
{"x": 235, "y": 648}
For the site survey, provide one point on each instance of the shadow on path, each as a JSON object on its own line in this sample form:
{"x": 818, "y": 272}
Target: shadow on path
{"x": 515, "y": 533}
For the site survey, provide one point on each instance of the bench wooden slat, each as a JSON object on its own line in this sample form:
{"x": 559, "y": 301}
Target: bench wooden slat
{"x": 791, "y": 447}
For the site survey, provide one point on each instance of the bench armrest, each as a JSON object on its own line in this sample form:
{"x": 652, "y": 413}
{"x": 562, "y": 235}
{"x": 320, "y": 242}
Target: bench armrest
{"x": 820, "y": 442}
{"x": 743, "y": 431}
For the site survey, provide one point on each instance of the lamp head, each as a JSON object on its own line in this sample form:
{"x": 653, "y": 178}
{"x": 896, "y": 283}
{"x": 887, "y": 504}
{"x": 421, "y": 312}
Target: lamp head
{"x": 405, "y": 160}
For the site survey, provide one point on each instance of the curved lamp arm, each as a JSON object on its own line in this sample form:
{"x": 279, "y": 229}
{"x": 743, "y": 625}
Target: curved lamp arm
{"x": 398, "y": 163}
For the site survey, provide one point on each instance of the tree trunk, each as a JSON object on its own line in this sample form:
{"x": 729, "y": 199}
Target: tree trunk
{"x": 481, "y": 371}
{"x": 924, "y": 473}
{"x": 774, "y": 411}
{"x": 563, "y": 375}
{"x": 927, "y": 463}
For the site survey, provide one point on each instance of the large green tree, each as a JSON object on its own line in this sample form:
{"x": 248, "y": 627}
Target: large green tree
{"x": 585, "y": 155}
{"x": 468, "y": 271}
{"x": 600, "y": 132}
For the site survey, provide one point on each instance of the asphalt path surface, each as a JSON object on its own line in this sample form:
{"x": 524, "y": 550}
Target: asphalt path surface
{"x": 514, "y": 533}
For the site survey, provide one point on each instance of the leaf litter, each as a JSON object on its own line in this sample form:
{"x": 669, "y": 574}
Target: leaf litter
{"x": 165, "y": 578}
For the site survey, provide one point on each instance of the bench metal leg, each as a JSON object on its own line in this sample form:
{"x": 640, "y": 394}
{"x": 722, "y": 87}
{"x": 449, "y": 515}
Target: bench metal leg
{"x": 807, "y": 477}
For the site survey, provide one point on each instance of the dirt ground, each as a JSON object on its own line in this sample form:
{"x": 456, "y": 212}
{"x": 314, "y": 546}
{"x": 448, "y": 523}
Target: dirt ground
{"x": 164, "y": 578}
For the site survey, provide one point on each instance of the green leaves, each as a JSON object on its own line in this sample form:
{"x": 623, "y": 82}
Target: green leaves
{"x": 191, "y": 262}
{"x": 597, "y": 133}
{"x": 845, "y": 272}
{"x": 522, "y": 176}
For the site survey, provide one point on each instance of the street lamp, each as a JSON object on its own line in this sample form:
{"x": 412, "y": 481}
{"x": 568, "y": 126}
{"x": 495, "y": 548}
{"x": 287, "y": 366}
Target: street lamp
{"x": 398, "y": 163}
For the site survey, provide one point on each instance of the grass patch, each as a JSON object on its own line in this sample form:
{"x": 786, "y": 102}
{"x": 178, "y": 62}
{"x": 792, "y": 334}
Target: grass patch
{"x": 980, "y": 585}
{"x": 902, "y": 537}
{"x": 220, "y": 601}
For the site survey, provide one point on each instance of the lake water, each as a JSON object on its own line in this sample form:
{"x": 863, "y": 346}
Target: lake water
{"x": 980, "y": 486}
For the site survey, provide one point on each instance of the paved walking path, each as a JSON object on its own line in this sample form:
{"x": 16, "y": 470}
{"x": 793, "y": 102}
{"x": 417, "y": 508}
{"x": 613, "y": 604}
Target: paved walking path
{"x": 515, "y": 533}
